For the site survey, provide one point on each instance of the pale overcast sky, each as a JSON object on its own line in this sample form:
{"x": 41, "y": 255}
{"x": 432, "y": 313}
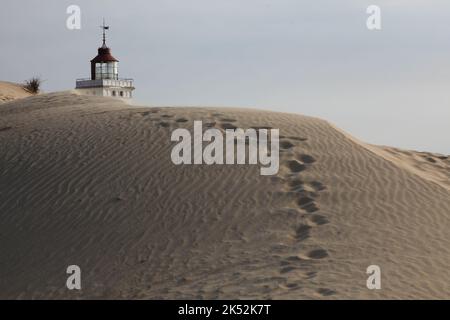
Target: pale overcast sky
{"x": 311, "y": 57}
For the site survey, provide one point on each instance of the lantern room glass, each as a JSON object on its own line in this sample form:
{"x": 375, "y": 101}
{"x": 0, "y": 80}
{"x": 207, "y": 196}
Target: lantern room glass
{"x": 106, "y": 70}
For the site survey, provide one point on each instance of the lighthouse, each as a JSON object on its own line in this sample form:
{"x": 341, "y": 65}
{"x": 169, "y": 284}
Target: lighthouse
{"x": 104, "y": 80}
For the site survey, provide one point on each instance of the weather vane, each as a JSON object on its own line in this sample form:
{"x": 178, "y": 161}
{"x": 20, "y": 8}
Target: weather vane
{"x": 104, "y": 27}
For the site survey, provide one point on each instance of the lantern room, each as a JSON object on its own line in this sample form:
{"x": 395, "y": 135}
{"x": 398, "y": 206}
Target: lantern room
{"x": 104, "y": 65}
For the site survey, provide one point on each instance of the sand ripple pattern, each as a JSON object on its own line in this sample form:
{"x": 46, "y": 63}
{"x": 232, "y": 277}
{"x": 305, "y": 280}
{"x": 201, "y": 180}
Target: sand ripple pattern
{"x": 89, "y": 181}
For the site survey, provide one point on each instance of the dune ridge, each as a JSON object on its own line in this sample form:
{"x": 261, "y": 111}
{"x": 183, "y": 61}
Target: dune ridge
{"x": 10, "y": 91}
{"x": 427, "y": 165}
{"x": 89, "y": 181}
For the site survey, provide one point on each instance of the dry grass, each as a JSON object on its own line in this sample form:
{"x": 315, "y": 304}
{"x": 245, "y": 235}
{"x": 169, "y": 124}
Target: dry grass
{"x": 33, "y": 85}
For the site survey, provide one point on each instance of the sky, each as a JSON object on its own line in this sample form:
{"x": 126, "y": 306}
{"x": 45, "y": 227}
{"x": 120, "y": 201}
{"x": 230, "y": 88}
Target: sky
{"x": 318, "y": 58}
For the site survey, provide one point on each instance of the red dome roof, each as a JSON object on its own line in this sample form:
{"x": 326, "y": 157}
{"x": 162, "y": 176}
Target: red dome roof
{"x": 104, "y": 55}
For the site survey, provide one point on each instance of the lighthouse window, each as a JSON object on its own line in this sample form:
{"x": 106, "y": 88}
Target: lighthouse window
{"x": 98, "y": 70}
{"x": 106, "y": 70}
{"x": 110, "y": 70}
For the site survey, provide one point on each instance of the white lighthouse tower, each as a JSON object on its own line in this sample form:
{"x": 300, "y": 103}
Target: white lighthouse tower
{"x": 104, "y": 80}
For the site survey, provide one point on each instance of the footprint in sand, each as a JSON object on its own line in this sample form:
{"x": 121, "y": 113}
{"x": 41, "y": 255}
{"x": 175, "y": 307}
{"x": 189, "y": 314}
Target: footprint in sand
{"x": 297, "y": 138}
{"x": 227, "y": 125}
{"x": 310, "y": 188}
{"x": 302, "y": 232}
{"x": 317, "y": 254}
{"x": 298, "y": 263}
{"x": 303, "y": 201}
{"x": 295, "y": 263}
{"x": 317, "y": 219}
{"x": 305, "y": 158}
{"x": 297, "y": 185}
{"x": 306, "y": 193}
{"x": 292, "y": 259}
{"x": 318, "y": 186}
{"x": 209, "y": 125}
{"x": 164, "y": 124}
{"x": 309, "y": 207}
{"x": 287, "y": 269}
{"x": 286, "y": 145}
{"x": 295, "y": 166}
{"x": 292, "y": 285}
{"x": 228, "y": 120}
{"x": 326, "y": 292}
{"x": 144, "y": 114}
{"x": 5, "y": 128}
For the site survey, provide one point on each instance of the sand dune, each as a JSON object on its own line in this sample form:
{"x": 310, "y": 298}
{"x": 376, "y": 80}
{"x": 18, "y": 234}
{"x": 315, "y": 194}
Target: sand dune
{"x": 89, "y": 181}
{"x": 430, "y": 166}
{"x": 11, "y": 91}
